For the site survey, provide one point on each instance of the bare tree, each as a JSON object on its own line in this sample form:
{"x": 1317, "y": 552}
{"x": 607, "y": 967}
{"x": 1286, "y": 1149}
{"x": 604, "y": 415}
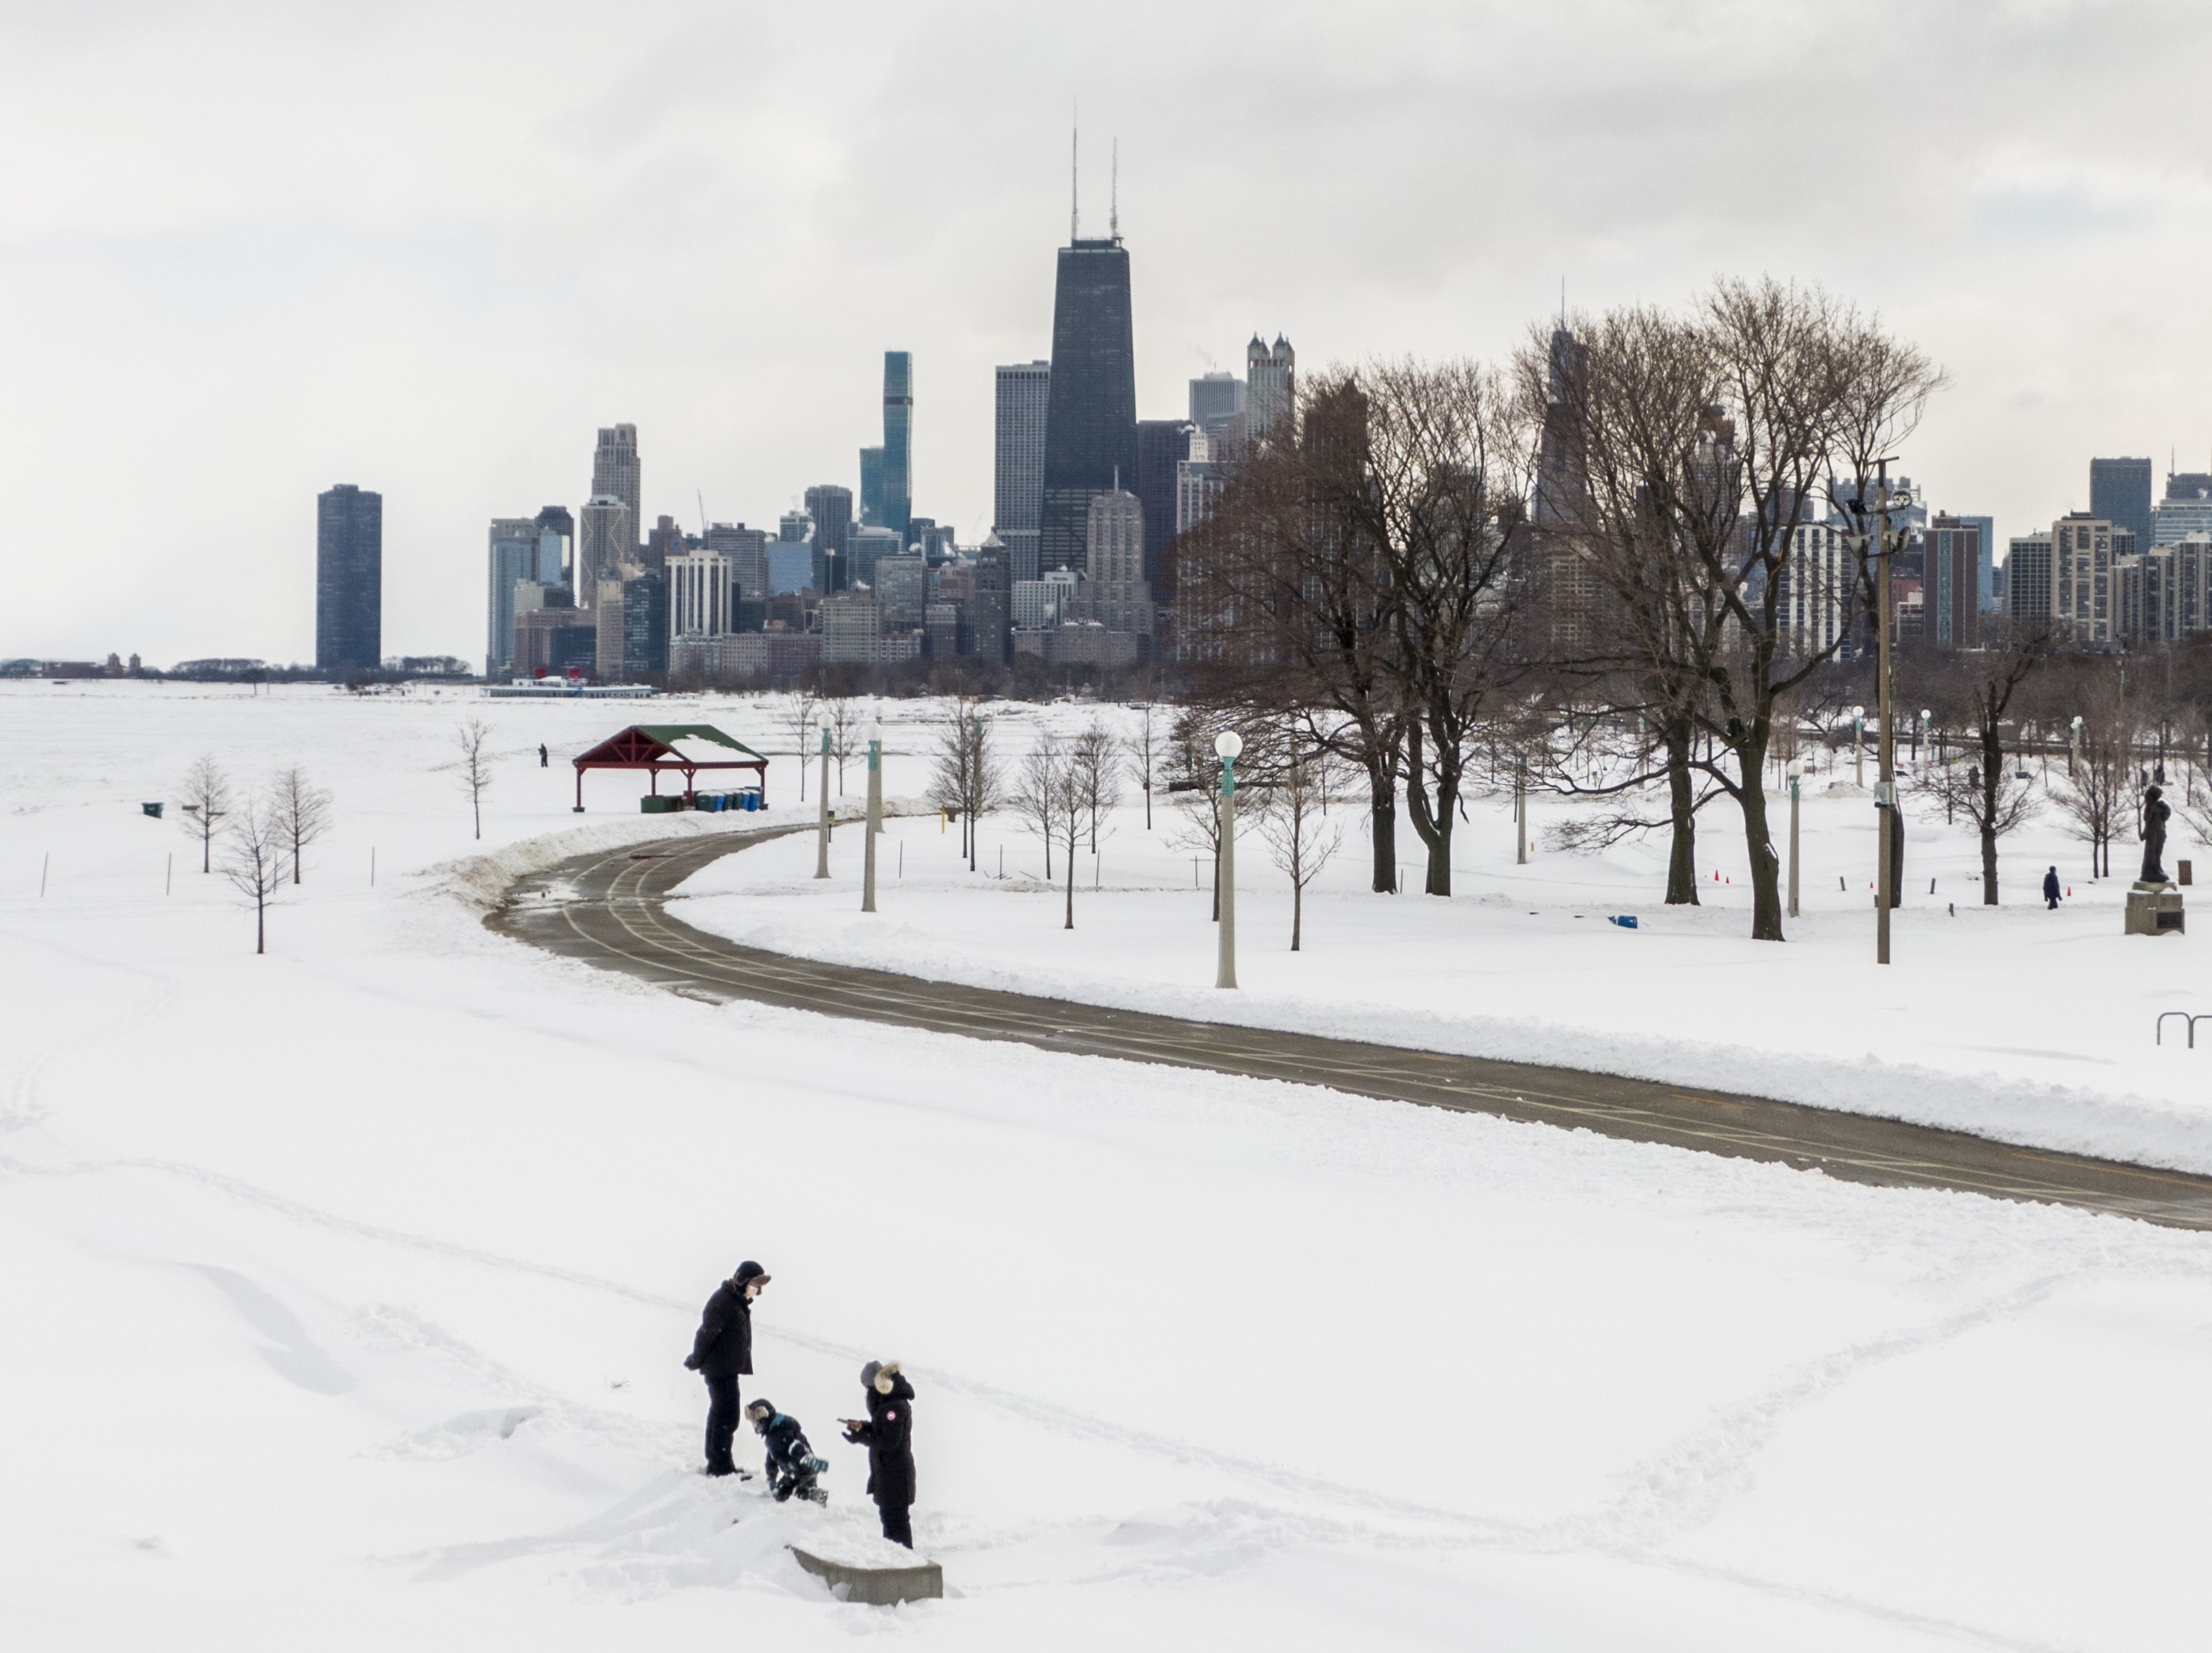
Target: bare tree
{"x": 303, "y": 810}
{"x": 1070, "y": 798}
{"x": 1990, "y": 791}
{"x": 2099, "y": 797}
{"x": 967, "y": 779}
{"x": 1290, "y": 600}
{"x": 845, "y": 721}
{"x": 1300, "y": 838}
{"x": 1096, "y": 775}
{"x": 802, "y": 718}
{"x": 1038, "y": 791}
{"x": 254, "y": 861}
{"x": 473, "y": 767}
{"x": 206, "y": 806}
{"x": 1716, "y": 437}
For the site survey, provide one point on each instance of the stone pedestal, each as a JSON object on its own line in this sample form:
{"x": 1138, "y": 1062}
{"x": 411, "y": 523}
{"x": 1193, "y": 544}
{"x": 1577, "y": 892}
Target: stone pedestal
{"x": 877, "y": 1586}
{"x": 2155, "y": 910}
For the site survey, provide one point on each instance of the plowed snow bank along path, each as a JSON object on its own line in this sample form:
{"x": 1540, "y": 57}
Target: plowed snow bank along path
{"x": 347, "y": 1287}
{"x": 610, "y": 909}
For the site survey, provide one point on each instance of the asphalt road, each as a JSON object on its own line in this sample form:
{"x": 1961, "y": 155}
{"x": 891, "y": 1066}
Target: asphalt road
{"x": 609, "y": 909}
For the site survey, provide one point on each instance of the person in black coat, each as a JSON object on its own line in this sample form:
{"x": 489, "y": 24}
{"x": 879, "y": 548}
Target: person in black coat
{"x": 722, "y": 1353}
{"x": 888, "y": 1433}
{"x": 792, "y": 1465}
{"x": 2051, "y": 889}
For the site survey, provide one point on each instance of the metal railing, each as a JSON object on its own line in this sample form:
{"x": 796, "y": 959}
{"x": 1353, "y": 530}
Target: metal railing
{"x": 2204, "y": 1016}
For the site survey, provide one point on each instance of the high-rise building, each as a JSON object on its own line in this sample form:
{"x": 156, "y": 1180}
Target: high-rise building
{"x": 990, "y": 610}
{"x": 898, "y": 440}
{"x": 557, "y": 546}
{"x": 1816, "y": 588}
{"x": 2027, "y": 580}
{"x": 872, "y": 487}
{"x": 2185, "y": 511}
{"x": 1121, "y": 597}
{"x": 1018, "y": 496}
{"x": 1197, "y": 483}
{"x": 644, "y": 626}
{"x": 698, "y": 594}
{"x": 2084, "y": 588}
{"x": 747, "y": 550}
{"x": 1952, "y": 583}
{"x": 608, "y": 540}
{"x": 349, "y": 580}
{"x": 1216, "y": 400}
{"x": 1990, "y": 595}
{"x": 1161, "y": 445}
{"x": 865, "y": 548}
{"x": 2119, "y": 492}
{"x": 615, "y": 476}
{"x": 514, "y": 560}
{"x": 1271, "y": 388}
{"x": 666, "y": 540}
{"x": 902, "y": 587}
{"x": 1090, "y": 420}
{"x": 831, "y": 508}
{"x": 608, "y": 632}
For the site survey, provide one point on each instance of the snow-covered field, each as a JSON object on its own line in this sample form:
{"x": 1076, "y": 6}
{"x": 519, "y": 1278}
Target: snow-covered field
{"x": 2016, "y": 1022}
{"x": 346, "y": 1288}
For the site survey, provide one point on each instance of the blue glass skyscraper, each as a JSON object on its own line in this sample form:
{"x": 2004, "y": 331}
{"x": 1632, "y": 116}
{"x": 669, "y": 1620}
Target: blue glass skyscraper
{"x": 898, "y": 440}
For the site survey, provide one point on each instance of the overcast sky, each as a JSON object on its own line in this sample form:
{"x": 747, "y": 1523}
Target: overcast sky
{"x": 247, "y": 252}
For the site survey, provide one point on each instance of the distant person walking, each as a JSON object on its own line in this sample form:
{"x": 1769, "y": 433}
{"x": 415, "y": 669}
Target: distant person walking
{"x": 888, "y": 1433}
{"x": 2051, "y": 889}
{"x": 722, "y": 1352}
{"x": 542, "y": 762}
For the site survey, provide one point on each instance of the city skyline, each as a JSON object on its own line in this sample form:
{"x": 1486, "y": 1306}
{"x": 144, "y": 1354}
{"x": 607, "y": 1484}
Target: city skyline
{"x": 444, "y": 324}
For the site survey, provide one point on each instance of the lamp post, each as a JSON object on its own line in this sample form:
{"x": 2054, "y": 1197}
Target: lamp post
{"x": 875, "y": 816}
{"x": 822, "y": 822}
{"x": 1227, "y": 745}
{"x": 1858, "y": 746}
{"x": 1925, "y": 754}
{"x": 1521, "y": 811}
{"x": 1796, "y": 769}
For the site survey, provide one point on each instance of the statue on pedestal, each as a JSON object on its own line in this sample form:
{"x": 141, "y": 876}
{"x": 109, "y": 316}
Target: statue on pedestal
{"x": 2156, "y": 810}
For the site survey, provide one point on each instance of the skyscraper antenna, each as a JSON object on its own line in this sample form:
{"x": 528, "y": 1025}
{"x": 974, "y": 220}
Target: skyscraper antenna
{"x": 1113, "y": 198}
{"x": 1563, "y": 303}
{"x": 1074, "y": 185}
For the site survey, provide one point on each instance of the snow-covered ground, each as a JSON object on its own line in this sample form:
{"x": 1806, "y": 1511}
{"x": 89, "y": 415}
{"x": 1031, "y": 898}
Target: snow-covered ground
{"x": 2016, "y": 1022}
{"x": 346, "y": 1290}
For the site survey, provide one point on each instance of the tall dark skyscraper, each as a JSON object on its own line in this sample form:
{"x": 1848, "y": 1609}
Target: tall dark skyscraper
{"x": 898, "y": 440}
{"x": 872, "y": 487}
{"x": 1090, "y": 420}
{"x": 831, "y": 508}
{"x": 1162, "y": 444}
{"x": 2119, "y": 492}
{"x": 349, "y": 580}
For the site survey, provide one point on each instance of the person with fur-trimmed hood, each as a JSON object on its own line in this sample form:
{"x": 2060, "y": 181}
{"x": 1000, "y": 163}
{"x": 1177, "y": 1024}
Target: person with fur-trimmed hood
{"x": 792, "y": 1465}
{"x": 722, "y": 1352}
{"x": 888, "y": 1433}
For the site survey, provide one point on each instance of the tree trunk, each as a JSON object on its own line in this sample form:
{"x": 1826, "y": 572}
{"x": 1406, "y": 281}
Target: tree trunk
{"x": 1681, "y": 796}
{"x": 1382, "y": 824}
{"x": 1070, "y": 924}
{"x": 1297, "y": 911}
{"x": 1433, "y": 825}
{"x": 1766, "y": 865}
{"x": 1992, "y": 777}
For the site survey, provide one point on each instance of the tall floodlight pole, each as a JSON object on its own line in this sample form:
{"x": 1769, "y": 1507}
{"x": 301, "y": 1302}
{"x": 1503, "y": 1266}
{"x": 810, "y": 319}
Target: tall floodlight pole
{"x": 822, "y": 822}
{"x": 1796, "y": 770}
{"x": 1885, "y": 792}
{"x": 875, "y": 816}
{"x": 1227, "y": 746}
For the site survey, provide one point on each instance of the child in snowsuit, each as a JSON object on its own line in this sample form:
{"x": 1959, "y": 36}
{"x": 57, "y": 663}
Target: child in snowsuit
{"x": 888, "y": 1433}
{"x": 792, "y": 1465}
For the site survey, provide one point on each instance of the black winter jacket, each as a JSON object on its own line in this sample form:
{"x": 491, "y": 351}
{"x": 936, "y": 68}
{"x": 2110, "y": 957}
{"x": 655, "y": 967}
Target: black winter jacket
{"x": 724, "y": 1345}
{"x": 888, "y": 1436}
{"x": 790, "y": 1457}
{"x": 2050, "y": 887}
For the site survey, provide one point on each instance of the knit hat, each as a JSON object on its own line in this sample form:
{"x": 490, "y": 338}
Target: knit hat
{"x": 751, "y": 1271}
{"x": 868, "y": 1374}
{"x": 757, "y": 1410}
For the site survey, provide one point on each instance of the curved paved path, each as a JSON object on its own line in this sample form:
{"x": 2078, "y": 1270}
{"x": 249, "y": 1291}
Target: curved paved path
{"x": 609, "y": 909}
